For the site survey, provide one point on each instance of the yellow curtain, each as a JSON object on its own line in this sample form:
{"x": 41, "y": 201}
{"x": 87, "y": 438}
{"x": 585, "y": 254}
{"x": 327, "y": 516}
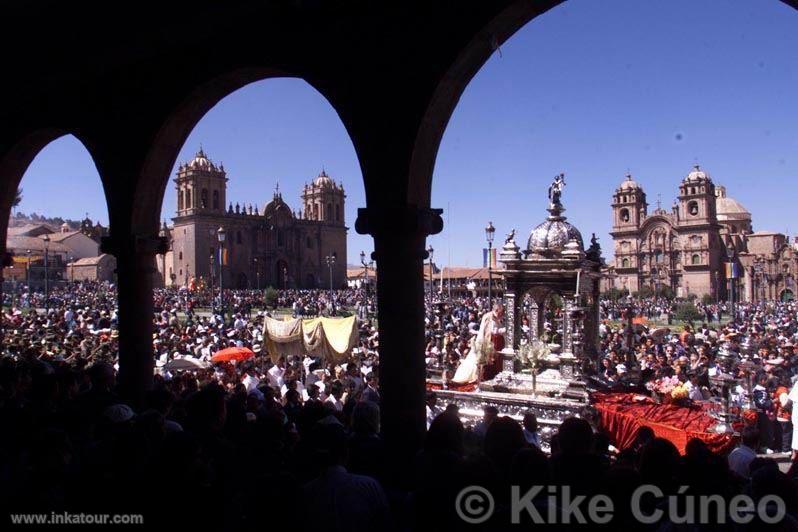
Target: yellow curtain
{"x": 329, "y": 338}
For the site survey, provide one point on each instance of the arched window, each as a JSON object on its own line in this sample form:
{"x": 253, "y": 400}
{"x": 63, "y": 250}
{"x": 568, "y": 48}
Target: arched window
{"x": 188, "y": 198}
{"x": 658, "y": 256}
{"x": 337, "y": 213}
{"x": 624, "y": 215}
{"x": 695, "y": 259}
{"x": 204, "y": 198}
{"x": 180, "y": 256}
{"x": 329, "y": 212}
{"x": 216, "y": 200}
{"x": 180, "y": 200}
{"x": 625, "y": 263}
{"x": 692, "y": 208}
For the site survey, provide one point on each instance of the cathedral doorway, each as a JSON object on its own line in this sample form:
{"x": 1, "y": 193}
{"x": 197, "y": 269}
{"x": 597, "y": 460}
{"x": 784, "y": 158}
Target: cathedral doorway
{"x": 310, "y": 281}
{"x": 281, "y": 274}
{"x": 242, "y": 280}
{"x": 786, "y": 295}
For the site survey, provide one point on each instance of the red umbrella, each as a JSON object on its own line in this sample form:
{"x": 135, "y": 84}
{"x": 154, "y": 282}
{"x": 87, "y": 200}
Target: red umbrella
{"x": 232, "y": 353}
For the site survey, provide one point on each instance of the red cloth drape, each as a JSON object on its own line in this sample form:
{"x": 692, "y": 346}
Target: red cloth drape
{"x": 453, "y": 386}
{"x": 622, "y": 415}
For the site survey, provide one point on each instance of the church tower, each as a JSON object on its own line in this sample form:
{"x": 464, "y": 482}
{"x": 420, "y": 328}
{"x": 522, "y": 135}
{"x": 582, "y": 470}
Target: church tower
{"x": 629, "y": 209}
{"x": 699, "y": 233}
{"x": 201, "y": 187}
{"x": 629, "y": 206}
{"x": 201, "y": 194}
{"x": 323, "y": 200}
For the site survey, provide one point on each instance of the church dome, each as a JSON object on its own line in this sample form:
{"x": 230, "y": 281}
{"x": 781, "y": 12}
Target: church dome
{"x": 729, "y": 208}
{"x": 629, "y": 184}
{"x": 697, "y": 175}
{"x": 552, "y": 236}
{"x": 201, "y": 162}
{"x": 323, "y": 180}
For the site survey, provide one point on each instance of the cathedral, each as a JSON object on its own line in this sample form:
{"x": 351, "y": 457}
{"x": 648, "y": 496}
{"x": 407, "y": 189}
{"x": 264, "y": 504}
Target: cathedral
{"x": 703, "y": 246}
{"x": 275, "y": 246}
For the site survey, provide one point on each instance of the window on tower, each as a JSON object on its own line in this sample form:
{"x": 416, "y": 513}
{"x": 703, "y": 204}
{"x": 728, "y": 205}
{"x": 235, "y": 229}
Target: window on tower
{"x": 329, "y": 211}
{"x": 692, "y": 208}
{"x": 337, "y": 213}
{"x": 216, "y": 200}
{"x": 204, "y": 198}
{"x": 625, "y": 263}
{"x": 695, "y": 259}
{"x": 624, "y": 215}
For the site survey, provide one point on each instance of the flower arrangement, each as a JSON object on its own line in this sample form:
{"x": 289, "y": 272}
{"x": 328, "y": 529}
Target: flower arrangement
{"x": 532, "y": 352}
{"x": 664, "y": 385}
{"x": 680, "y": 393}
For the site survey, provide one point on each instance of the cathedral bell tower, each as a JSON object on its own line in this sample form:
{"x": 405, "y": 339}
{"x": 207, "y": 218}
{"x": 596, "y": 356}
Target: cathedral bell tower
{"x": 201, "y": 187}
{"x": 629, "y": 206}
{"x": 629, "y": 209}
{"x": 697, "y": 199}
{"x": 701, "y": 255}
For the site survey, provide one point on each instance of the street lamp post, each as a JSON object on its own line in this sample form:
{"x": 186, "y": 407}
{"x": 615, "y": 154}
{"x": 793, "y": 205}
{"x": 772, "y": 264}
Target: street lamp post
{"x": 330, "y": 259}
{"x": 220, "y": 234}
{"x": 365, "y": 270}
{"x": 489, "y": 232}
{"x": 430, "y": 251}
{"x": 46, "y": 239}
{"x": 211, "y": 273}
{"x": 72, "y": 269}
{"x": 27, "y": 271}
{"x": 730, "y": 256}
{"x": 257, "y": 274}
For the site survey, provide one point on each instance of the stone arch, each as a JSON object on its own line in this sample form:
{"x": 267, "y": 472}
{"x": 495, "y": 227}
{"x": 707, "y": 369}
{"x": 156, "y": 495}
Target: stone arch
{"x": 183, "y": 118}
{"x": 18, "y": 158}
{"x": 502, "y": 21}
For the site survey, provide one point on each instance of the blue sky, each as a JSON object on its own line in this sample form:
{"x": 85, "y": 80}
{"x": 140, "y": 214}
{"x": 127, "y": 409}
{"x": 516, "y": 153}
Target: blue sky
{"x": 591, "y": 88}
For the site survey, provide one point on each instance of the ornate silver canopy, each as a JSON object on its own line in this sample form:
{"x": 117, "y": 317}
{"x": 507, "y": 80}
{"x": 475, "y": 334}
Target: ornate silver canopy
{"x": 551, "y": 237}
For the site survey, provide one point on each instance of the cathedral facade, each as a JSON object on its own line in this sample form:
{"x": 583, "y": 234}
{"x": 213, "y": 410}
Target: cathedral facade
{"x": 691, "y": 247}
{"x": 275, "y": 246}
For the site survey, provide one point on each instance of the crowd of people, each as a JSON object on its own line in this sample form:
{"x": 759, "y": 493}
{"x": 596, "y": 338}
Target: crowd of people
{"x": 296, "y": 442}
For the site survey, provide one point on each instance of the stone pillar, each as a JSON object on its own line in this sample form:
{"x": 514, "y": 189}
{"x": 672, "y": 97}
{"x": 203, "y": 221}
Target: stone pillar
{"x": 537, "y": 319}
{"x": 399, "y": 240}
{"x": 135, "y": 273}
{"x": 513, "y": 335}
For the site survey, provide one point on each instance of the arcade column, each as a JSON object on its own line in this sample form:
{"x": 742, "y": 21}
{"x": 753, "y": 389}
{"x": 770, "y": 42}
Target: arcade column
{"x": 399, "y": 240}
{"x": 135, "y": 257}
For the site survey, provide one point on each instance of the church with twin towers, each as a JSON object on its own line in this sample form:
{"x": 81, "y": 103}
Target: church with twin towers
{"x": 268, "y": 245}
{"x": 689, "y": 248}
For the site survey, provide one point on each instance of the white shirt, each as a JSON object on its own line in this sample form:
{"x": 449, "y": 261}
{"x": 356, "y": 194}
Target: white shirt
{"x": 275, "y": 374}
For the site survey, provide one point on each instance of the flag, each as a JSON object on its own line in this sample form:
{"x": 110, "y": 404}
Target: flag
{"x": 223, "y": 256}
{"x": 732, "y": 270}
{"x": 489, "y": 257}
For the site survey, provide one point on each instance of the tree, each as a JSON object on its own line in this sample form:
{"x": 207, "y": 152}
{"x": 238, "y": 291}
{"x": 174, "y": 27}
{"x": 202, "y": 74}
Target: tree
{"x": 17, "y": 198}
{"x": 645, "y": 292}
{"x": 665, "y": 291}
{"x": 688, "y": 313}
{"x": 614, "y": 294}
{"x": 707, "y": 299}
{"x": 270, "y": 297}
